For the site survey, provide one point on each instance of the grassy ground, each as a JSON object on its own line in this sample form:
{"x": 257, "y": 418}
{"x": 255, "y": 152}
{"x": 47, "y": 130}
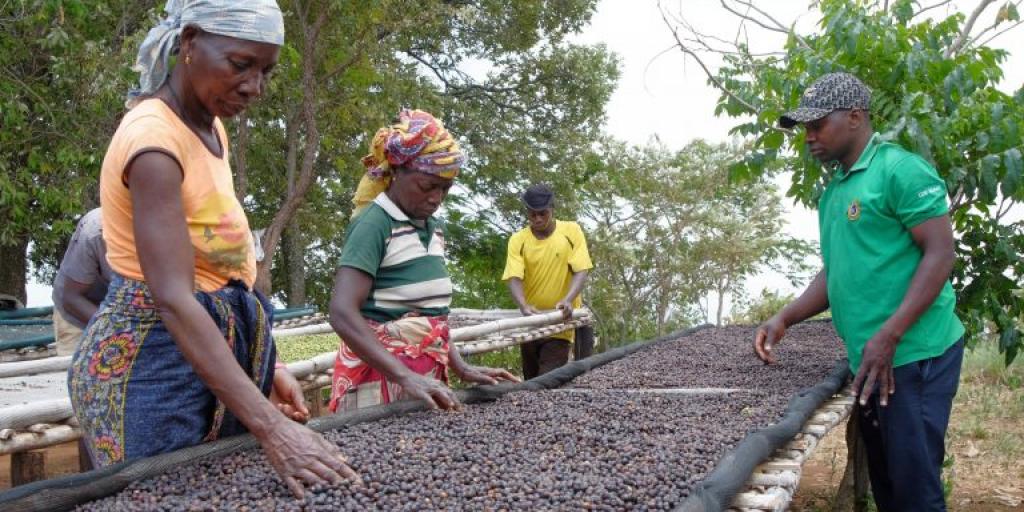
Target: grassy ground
{"x": 304, "y": 347}
{"x": 985, "y": 443}
{"x": 298, "y": 348}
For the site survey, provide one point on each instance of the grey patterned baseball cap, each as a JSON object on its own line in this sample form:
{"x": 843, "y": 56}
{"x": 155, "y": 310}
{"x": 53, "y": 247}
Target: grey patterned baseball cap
{"x": 831, "y": 92}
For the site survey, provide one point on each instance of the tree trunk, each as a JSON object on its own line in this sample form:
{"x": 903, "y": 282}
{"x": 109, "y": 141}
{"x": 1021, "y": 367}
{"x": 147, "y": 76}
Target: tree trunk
{"x": 662, "y": 311}
{"x": 296, "y": 247}
{"x": 293, "y": 239}
{"x": 311, "y": 147}
{"x": 721, "y": 304}
{"x": 13, "y": 269}
{"x": 263, "y": 277}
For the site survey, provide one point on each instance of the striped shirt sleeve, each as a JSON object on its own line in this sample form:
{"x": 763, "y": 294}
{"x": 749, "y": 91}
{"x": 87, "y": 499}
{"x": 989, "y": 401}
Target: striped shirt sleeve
{"x": 366, "y": 241}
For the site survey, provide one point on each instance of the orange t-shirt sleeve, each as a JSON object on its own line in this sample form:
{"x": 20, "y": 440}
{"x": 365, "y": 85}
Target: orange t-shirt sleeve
{"x": 137, "y": 134}
{"x": 144, "y": 134}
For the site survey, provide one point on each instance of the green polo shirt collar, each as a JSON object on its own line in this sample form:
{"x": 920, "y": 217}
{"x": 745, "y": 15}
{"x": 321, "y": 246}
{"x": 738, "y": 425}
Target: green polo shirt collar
{"x": 865, "y": 158}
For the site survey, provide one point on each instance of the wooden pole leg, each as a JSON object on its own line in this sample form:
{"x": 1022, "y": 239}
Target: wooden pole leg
{"x": 27, "y": 467}
{"x": 84, "y": 462}
{"x": 584, "y": 346}
{"x": 853, "y": 488}
{"x": 314, "y": 401}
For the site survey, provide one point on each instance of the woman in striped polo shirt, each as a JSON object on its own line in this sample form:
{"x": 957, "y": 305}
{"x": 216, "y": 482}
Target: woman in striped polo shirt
{"x": 392, "y": 290}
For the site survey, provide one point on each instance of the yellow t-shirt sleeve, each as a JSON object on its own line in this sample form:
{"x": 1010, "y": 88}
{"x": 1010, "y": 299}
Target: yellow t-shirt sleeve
{"x": 515, "y": 265}
{"x": 579, "y": 260}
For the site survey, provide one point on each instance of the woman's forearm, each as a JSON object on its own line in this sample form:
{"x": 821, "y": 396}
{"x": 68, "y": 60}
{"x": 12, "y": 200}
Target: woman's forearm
{"x": 203, "y": 346}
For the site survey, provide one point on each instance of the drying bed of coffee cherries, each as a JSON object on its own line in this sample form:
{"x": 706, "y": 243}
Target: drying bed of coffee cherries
{"x": 724, "y": 358}
{"x": 563, "y": 449}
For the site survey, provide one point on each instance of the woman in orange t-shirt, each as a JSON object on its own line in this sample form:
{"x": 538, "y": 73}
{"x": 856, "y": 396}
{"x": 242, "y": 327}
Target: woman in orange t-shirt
{"x": 180, "y": 350}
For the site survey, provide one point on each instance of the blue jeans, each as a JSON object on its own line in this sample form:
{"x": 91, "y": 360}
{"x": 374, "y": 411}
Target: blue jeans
{"x": 905, "y": 440}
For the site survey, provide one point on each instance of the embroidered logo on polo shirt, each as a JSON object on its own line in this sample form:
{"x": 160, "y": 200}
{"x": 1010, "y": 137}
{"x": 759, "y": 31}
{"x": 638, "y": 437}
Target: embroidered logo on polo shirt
{"x": 853, "y": 212}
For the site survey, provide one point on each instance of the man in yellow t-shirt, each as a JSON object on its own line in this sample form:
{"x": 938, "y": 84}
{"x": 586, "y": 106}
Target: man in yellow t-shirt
{"x": 546, "y": 269}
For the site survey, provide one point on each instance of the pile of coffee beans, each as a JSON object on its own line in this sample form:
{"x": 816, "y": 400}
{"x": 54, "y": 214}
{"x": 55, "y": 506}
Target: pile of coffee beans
{"x": 724, "y": 358}
{"x": 592, "y": 448}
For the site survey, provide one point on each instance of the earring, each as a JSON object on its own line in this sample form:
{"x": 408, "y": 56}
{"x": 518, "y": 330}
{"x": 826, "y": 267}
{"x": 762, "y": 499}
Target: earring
{"x": 188, "y": 59}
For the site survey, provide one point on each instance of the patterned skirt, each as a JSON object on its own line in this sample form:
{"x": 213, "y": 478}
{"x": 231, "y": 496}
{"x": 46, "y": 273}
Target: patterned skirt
{"x": 419, "y": 342}
{"x": 132, "y": 390}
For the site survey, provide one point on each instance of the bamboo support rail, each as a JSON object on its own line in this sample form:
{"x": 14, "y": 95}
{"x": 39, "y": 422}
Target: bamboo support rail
{"x": 33, "y": 367}
{"x": 43, "y": 346}
{"x": 773, "y": 483}
{"x": 321, "y": 328}
{"x": 291, "y": 323}
{"x": 52, "y": 435}
{"x": 503, "y": 322}
{"x": 29, "y": 353}
{"x": 491, "y": 345}
{"x": 43, "y": 411}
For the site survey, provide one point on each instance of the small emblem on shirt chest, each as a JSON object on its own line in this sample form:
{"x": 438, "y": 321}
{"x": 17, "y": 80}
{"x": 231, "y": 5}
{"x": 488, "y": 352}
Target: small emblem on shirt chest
{"x": 853, "y": 211}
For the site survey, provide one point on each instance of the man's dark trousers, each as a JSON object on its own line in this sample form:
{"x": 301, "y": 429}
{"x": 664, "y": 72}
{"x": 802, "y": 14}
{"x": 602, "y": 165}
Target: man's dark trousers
{"x": 905, "y": 440}
{"x": 543, "y": 355}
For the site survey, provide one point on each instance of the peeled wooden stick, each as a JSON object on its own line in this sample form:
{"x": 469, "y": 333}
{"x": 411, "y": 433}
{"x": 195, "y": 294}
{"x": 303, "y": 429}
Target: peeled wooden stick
{"x": 775, "y": 499}
{"x": 543, "y": 319}
{"x": 317, "y": 382}
{"x": 318, "y": 364}
{"x": 34, "y": 366}
{"x": 43, "y": 411}
{"x": 324, "y": 328}
{"x": 462, "y": 333}
{"x": 24, "y": 441}
{"x": 477, "y": 347}
{"x": 786, "y": 479}
{"x": 461, "y": 313}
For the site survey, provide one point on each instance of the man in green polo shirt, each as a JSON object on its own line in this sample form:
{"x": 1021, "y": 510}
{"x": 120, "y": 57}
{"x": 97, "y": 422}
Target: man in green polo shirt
{"x": 887, "y": 249}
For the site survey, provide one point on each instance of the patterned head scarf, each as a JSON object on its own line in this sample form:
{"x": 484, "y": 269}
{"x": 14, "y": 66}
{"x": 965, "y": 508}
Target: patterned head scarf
{"x": 252, "y": 20}
{"x": 418, "y": 141}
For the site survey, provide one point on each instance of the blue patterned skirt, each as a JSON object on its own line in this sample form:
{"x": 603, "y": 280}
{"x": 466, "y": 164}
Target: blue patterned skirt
{"x": 132, "y": 390}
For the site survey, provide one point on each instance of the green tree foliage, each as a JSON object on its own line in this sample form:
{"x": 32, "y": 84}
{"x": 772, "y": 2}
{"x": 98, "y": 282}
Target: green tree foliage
{"x": 668, "y": 227}
{"x": 934, "y": 93}
{"x": 665, "y": 228}
{"x": 63, "y": 75}
{"x": 756, "y": 310}
{"x": 500, "y": 74}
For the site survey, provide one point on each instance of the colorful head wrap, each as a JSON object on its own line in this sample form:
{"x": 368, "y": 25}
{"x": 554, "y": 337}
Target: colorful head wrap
{"x": 252, "y": 20}
{"x": 419, "y": 142}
